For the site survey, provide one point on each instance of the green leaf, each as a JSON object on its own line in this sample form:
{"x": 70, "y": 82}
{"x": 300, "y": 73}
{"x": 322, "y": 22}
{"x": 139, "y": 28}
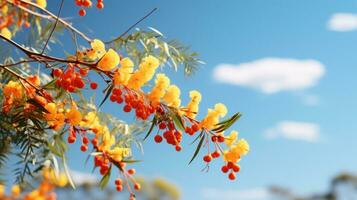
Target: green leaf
{"x": 105, "y": 179}
{"x": 198, "y": 147}
{"x": 109, "y": 90}
{"x": 178, "y": 121}
{"x": 224, "y": 125}
{"x": 154, "y": 121}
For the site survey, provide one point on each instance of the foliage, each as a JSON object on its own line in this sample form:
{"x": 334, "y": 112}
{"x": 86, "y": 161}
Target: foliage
{"x": 45, "y": 106}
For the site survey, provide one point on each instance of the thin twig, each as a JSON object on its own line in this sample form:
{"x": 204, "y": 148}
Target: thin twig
{"x": 132, "y": 26}
{"x": 49, "y": 16}
{"x": 54, "y": 27}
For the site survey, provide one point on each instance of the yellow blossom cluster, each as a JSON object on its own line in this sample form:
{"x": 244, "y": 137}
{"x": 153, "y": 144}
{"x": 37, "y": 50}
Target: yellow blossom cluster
{"x": 212, "y": 118}
{"x": 162, "y": 82}
{"x": 192, "y": 106}
{"x": 13, "y": 89}
{"x": 237, "y": 148}
{"x": 144, "y": 74}
{"x": 172, "y": 96}
{"x": 122, "y": 75}
{"x": 55, "y": 116}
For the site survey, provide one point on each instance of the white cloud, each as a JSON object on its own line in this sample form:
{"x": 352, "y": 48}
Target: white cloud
{"x": 293, "y": 130}
{"x": 272, "y": 75}
{"x": 80, "y": 178}
{"x": 343, "y": 22}
{"x": 230, "y": 194}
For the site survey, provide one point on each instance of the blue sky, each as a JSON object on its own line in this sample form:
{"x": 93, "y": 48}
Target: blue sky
{"x": 235, "y": 32}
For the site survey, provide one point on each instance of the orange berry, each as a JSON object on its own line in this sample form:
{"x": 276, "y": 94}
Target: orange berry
{"x": 232, "y": 176}
{"x": 118, "y": 181}
{"x": 82, "y": 12}
{"x": 158, "y": 138}
{"x": 94, "y": 142}
{"x": 83, "y": 71}
{"x": 71, "y": 139}
{"x": 113, "y": 98}
{"x": 131, "y": 171}
{"x": 119, "y": 188}
{"x": 57, "y": 72}
{"x": 119, "y": 100}
{"x": 137, "y": 186}
{"x": 207, "y": 158}
{"x": 84, "y": 148}
{"x": 93, "y": 85}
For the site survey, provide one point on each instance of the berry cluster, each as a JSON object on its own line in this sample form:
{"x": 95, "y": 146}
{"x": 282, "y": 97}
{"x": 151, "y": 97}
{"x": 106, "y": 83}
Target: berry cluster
{"x": 72, "y": 78}
{"x": 170, "y": 134}
{"x": 87, "y": 4}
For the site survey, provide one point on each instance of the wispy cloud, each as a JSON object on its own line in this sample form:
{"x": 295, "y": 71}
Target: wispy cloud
{"x": 230, "y": 194}
{"x": 80, "y": 178}
{"x": 272, "y": 75}
{"x": 293, "y": 130}
{"x": 343, "y": 22}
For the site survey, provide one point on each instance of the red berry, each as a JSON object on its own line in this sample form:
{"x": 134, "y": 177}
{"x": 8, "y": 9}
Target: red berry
{"x": 216, "y": 154}
{"x": 113, "y": 98}
{"x": 117, "y": 91}
{"x": 100, "y": 5}
{"x": 195, "y": 128}
{"x": 127, "y": 108}
{"x": 84, "y": 148}
{"x": 85, "y": 140}
{"x": 162, "y": 125}
{"x": 131, "y": 171}
{"x": 93, "y": 85}
{"x": 236, "y": 168}
{"x": 120, "y": 100}
{"x": 232, "y": 176}
{"x": 220, "y": 138}
{"x": 57, "y": 72}
{"x": 158, "y": 138}
{"x": 118, "y": 181}
{"x": 207, "y": 158}
{"x": 188, "y": 130}
{"x": 83, "y": 71}
{"x": 224, "y": 169}
{"x": 94, "y": 142}
{"x": 214, "y": 138}
{"x": 82, "y": 12}
{"x": 78, "y": 82}
{"x": 178, "y": 148}
{"x": 71, "y": 139}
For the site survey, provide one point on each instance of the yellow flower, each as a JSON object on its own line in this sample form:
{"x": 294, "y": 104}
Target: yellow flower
{"x": 162, "y": 82}
{"x": 172, "y": 96}
{"x": 6, "y": 33}
{"x": 242, "y": 147}
{"x": 192, "y": 106}
{"x": 98, "y": 49}
{"x": 124, "y": 72}
{"x": 119, "y": 153}
{"x": 13, "y": 89}
{"x": 212, "y": 118}
{"x": 15, "y": 191}
{"x": 109, "y": 61}
{"x": 42, "y": 3}
{"x": 2, "y": 190}
{"x": 145, "y": 72}
{"x": 74, "y": 116}
{"x": 4, "y": 9}
{"x": 231, "y": 138}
